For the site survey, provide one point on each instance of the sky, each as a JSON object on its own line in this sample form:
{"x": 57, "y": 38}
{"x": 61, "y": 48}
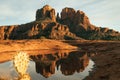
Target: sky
{"x": 102, "y": 13}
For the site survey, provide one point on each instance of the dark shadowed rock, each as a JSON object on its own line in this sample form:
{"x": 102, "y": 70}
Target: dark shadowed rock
{"x": 74, "y": 18}
{"x": 79, "y": 23}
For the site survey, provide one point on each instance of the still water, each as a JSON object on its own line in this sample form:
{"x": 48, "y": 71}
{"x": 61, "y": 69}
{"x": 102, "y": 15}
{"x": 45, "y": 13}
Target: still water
{"x": 73, "y": 65}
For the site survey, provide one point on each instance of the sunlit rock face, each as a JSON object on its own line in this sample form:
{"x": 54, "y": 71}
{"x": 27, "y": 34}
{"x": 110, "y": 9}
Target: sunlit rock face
{"x": 6, "y": 31}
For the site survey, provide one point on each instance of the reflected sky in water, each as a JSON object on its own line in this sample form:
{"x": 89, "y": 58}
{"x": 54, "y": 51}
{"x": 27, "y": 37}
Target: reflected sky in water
{"x": 74, "y": 65}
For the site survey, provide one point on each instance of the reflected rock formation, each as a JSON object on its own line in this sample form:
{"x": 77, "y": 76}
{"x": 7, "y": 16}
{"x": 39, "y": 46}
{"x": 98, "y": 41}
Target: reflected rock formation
{"x": 45, "y": 68}
{"x": 75, "y": 62}
{"x": 67, "y": 63}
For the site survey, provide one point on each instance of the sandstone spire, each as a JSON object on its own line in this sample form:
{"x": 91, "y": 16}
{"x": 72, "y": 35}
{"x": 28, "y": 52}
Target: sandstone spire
{"x": 46, "y": 12}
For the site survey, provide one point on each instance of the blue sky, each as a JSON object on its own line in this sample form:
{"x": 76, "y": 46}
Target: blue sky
{"x": 105, "y": 13}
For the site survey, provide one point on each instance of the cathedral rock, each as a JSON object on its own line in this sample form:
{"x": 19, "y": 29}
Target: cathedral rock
{"x": 69, "y": 25}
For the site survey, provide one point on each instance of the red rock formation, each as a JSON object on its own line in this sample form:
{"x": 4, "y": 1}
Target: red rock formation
{"x": 79, "y": 23}
{"x": 6, "y": 31}
{"x": 46, "y": 12}
{"x": 68, "y": 13}
{"x": 71, "y": 17}
{"x": 70, "y": 25}
{"x": 2, "y": 32}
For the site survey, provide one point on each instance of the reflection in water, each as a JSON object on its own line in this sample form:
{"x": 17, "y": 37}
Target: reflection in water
{"x": 76, "y": 64}
{"x": 69, "y": 63}
{"x": 73, "y": 63}
{"x": 45, "y": 68}
{"x": 24, "y": 77}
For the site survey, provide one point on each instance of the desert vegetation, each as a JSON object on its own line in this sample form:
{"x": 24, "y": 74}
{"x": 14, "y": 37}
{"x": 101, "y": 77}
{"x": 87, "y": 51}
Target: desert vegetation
{"x": 21, "y": 61}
